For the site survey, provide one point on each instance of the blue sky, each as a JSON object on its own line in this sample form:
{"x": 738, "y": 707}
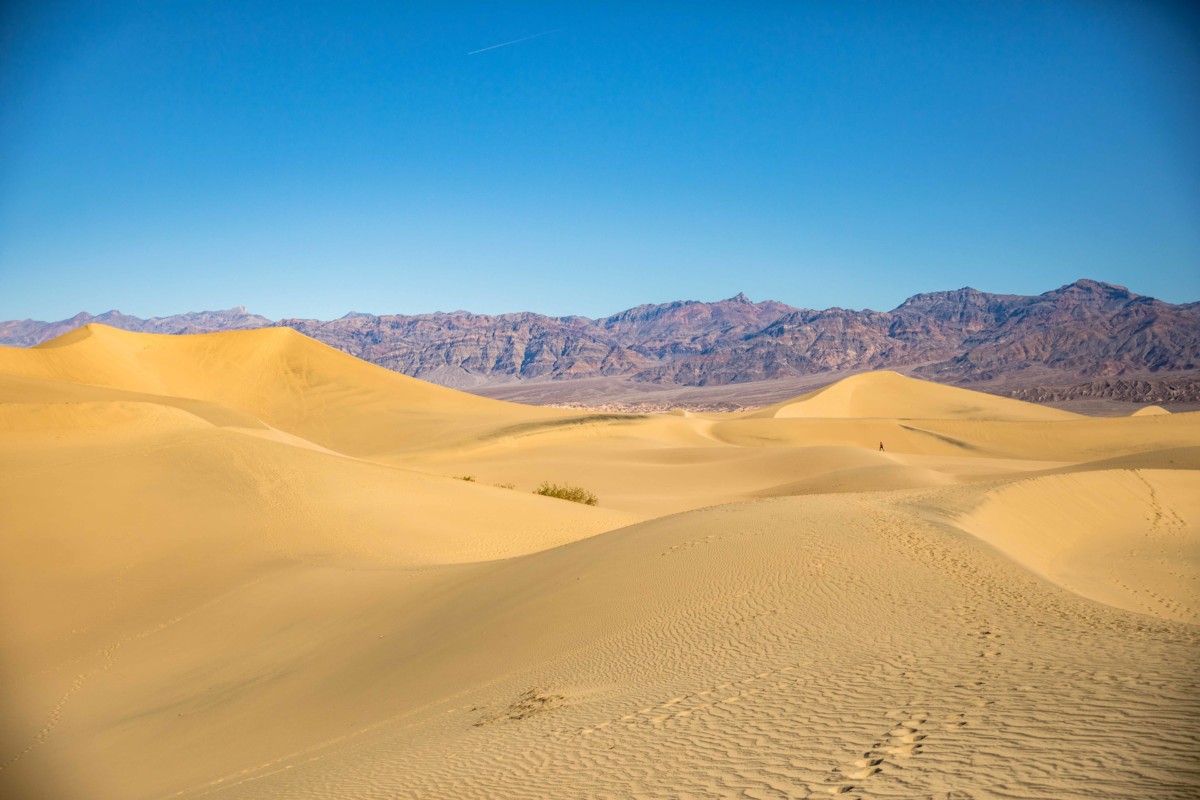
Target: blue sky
{"x": 307, "y": 159}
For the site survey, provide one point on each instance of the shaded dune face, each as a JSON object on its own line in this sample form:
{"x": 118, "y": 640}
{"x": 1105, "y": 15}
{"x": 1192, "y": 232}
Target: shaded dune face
{"x": 246, "y": 565}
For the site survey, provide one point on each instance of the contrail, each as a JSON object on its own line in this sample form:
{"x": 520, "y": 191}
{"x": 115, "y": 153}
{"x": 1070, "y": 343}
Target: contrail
{"x": 514, "y": 41}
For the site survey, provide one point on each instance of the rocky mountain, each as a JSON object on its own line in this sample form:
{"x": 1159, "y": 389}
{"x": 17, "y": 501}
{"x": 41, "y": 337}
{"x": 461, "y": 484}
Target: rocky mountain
{"x": 800, "y": 342}
{"x": 688, "y": 327}
{"x": 1088, "y": 329}
{"x": 1081, "y": 332}
{"x": 1166, "y": 391}
{"x": 462, "y": 350}
{"x": 1085, "y": 329}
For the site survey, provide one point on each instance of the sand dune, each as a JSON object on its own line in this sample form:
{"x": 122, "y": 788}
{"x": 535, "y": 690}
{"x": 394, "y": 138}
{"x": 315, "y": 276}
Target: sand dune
{"x": 285, "y": 379}
{"x": 243, "y": 566}
{"x": 1148, "y": 411}
{"x": 1123, "y": 537}
{"x": 892, "y": 395}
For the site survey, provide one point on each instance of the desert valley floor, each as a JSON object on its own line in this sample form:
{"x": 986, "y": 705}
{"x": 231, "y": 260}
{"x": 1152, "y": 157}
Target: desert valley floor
{"x": 246, "y": 565}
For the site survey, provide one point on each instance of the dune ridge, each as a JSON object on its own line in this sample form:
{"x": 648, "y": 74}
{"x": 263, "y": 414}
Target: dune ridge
{"x": 892, "y": 395}
{"x": 246, "y": 565}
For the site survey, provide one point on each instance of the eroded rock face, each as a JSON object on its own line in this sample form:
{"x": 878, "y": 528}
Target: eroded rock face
{"x": 1085, "y": 330}
{"x": 689, "y": 327}
{"x": 462, "y": 349}
{"x": 1161, "y": 391}
{"x": 798, "y": 343}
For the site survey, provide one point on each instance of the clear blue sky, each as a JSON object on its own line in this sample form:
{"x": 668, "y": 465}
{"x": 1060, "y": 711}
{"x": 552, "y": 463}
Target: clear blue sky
{"x": 306, "y": 159}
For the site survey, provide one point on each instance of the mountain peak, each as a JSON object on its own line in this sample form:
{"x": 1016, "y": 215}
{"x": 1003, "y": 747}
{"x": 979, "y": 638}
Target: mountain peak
{"x": 1089, "y": 286}
{"x": 740, "y": 297}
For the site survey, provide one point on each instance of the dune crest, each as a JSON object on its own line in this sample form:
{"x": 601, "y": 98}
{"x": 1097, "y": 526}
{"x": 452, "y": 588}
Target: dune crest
{"x": 1149, "y": 411}
{"x": 894, "y": 396}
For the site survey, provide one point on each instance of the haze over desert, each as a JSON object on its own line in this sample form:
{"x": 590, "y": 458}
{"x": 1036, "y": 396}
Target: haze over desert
{"x": 245, "y": 565}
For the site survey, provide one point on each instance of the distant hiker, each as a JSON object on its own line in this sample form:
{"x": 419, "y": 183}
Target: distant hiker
{"x": 881, "y": 447}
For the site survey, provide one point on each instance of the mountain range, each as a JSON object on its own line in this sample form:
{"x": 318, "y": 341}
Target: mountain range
{"x": 1084, "y": 333}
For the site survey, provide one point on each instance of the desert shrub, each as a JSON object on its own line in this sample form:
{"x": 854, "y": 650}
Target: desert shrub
{"x": 505, "y": 486}
{"x": 470, "y": 478}
{"x": 575, "y": 494}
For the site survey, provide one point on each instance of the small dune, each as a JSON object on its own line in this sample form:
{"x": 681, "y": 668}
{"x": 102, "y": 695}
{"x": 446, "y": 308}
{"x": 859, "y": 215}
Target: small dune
{"x": 1125, "y": 537}
{"x": 894, "y": 396}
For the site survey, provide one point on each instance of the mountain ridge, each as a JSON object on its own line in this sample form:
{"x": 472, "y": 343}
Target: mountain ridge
{"x": 1082, "y": 332}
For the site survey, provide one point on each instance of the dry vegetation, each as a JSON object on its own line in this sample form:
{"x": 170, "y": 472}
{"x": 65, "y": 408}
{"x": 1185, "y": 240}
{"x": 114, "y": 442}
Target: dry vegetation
{"x": 576, "y": 494}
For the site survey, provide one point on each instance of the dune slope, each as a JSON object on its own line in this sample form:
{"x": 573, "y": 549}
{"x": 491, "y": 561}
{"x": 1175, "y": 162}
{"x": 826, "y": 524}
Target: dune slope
{"x": 282, "y": 377}
{"x": 891, "y": 395}
{"x": 1129, "y": 538}
{"x": 787, "y": 648}
{"x": 241, "y": 566}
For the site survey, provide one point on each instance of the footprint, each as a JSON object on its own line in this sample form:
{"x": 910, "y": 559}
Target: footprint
{"x": 903, "y": 750}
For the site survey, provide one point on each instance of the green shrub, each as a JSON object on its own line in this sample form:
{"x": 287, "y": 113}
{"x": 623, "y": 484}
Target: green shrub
{"x": 573, "y": 493}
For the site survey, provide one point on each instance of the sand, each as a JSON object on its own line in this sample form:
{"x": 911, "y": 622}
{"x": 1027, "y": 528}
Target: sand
{"x": 245, "y": 565}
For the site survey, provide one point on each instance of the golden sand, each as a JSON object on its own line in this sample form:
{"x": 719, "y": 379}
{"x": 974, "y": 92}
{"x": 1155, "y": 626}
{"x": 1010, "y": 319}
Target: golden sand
{"x": 246, "y": 565}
